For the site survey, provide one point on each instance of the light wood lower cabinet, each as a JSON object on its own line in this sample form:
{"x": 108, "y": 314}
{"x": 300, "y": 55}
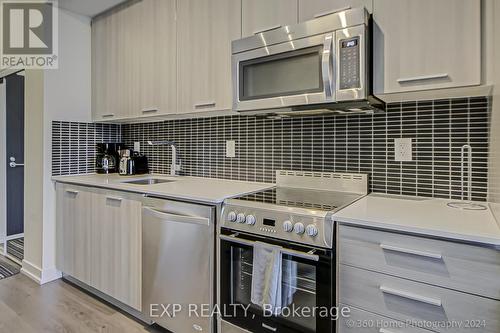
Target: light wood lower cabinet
{"x": 74, "y": 229}
{"x": 99, "y": 240}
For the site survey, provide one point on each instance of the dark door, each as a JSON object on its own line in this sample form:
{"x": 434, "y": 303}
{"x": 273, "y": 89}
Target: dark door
{"x": 15, "y": 154}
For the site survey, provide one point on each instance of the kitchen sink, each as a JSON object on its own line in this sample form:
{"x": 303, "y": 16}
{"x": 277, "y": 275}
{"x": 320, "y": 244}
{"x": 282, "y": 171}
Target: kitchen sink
{"x": 149, "y": 181}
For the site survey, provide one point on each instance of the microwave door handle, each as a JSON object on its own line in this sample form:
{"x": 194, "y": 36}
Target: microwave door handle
{"x": 327, "y": 58}
{"x": 293, "y": 253}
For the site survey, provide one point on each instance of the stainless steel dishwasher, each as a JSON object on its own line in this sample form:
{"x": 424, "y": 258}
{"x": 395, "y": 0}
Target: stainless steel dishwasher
{"x": 178, "y": 264}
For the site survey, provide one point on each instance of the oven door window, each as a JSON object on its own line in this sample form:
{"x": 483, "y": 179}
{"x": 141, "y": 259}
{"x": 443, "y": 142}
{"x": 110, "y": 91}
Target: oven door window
{"x": 305, "y": 285}
{"x": 289, "y": 73}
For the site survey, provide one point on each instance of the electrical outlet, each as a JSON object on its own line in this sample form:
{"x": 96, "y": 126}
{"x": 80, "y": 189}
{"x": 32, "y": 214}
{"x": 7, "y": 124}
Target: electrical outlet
{"x": 403, "y": 150}
{"x": 231, "y": 148}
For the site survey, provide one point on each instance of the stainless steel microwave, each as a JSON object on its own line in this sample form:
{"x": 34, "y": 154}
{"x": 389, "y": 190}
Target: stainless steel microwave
{"x": 323, "y": 63}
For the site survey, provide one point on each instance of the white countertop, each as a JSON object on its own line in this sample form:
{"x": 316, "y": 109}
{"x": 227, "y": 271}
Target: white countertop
{"x": 196, "y": 189}
{"x": 425, "y": 216}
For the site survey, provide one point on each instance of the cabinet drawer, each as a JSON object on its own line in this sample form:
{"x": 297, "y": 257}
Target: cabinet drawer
{"x": 462, "y": 267}
{"x": 407, "y": 300}
{"x": 360, "y": 321}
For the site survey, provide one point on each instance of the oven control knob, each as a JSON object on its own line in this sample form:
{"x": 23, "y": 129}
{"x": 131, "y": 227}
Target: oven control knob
{"x": 231, "y": 217}
{"x": 250, "y": 220}
{"x": 311, "y": 230}
{"x": 240, "y": 218}
{"x": 288, "y": 226}
{"x": 298, "y": 228}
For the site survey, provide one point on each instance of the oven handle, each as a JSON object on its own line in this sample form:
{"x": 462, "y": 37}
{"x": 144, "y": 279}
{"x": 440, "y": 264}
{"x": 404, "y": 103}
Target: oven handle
{"x": 294, "y": 253}
{"x": 327, "y": 65}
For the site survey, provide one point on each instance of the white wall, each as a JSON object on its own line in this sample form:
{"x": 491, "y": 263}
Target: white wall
{"x": 494, "y": 165}
{"x": 3, "y": 164}
{"x": 66, "y": 96}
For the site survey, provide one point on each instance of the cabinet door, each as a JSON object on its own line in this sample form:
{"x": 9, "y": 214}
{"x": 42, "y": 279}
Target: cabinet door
{"x": 260, "y": 15}
{"x": 426, "y": 44}
{"x": 309, "y": 9}
{"x": 74, "y": 232}
{"x": 204, "y": 34}
{"x": 103, "y": 91}
{"x": 116, "y": 63}
{"x": 157, "y": 40}
{"x": 116, "y": 247}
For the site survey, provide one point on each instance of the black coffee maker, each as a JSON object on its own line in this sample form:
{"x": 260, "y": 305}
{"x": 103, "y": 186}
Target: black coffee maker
{"x": 107, "y": 157}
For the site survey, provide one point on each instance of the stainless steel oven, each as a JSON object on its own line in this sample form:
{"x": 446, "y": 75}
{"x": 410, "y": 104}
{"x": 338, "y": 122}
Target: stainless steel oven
{"x": 313, "y": 278}
{"x": 318, "y": 62}
{"x": 295, "y": 219}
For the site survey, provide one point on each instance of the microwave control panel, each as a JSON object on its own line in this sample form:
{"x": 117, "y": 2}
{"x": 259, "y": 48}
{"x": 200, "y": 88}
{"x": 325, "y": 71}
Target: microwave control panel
{"x": 349, "y": 63}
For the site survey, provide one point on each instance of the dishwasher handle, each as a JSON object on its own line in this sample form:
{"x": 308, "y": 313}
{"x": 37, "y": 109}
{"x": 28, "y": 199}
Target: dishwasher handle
{"x": 176, "y": 217}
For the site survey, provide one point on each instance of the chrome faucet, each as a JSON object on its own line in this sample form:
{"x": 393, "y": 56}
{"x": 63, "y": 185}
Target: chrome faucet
{"x": 174, "y": 167}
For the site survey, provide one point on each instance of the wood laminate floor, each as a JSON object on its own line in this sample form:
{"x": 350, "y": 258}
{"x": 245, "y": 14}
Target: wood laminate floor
{"x": 26, "y": 307}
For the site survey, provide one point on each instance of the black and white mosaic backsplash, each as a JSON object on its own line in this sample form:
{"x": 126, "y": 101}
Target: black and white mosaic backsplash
{"x": 74, "y": 145}
{"x": 353, "y": 143}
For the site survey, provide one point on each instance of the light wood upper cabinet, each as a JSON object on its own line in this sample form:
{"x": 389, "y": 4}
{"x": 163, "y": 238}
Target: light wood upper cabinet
{"x": 114, "y": 53}
{"x": 259, "y": 15}
{"x": 309, "y": 9}
{"x": 205, "y": 29}
{"x": 157, "y": 60}
{"x": 134, "y": 61}
{"x": 426, "y": 44}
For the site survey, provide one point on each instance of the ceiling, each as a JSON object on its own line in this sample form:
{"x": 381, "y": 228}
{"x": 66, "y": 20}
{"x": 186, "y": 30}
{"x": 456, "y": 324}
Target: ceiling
{"x": 88, "y": 7}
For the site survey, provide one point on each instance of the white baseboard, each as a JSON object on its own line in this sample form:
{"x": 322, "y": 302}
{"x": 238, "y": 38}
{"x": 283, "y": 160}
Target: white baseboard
{"x": 38, "y": 275}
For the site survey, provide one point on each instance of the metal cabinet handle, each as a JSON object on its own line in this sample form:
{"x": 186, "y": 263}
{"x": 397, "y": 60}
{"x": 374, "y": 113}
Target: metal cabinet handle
{"x": 332, "y": 11}
{"x": 15, "y": 165}
{"x": 72, "y": 192}
{"x": 274, "y": 27}
{"x": 150, "y": 110}
{"x": 293, "y": 253}
{"x": 411, "y": 296}
{"x": 205, "y": 105}
{"x": 423, "y": 78}
{"x": 109, "y": 115}
{"x": 114, "y": 199}
{"x": 411, "y": 251}
{"x": 326, "y": 65}
{"x": 267, "y": 327}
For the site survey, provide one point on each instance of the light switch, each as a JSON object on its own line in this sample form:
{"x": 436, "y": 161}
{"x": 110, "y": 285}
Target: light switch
{"x": 231, "y": 148}
{"x": 137, "y": 146}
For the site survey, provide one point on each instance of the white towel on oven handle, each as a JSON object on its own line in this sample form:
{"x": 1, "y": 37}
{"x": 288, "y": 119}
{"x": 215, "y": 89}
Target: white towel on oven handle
{"x": 267, "y": 277}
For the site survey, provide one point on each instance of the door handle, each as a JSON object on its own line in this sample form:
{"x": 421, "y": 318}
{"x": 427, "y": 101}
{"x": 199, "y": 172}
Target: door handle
{"x": 423, "y": 78}
{"x": 294, "y": 253}
{"x": 178, "y": 218}
{"x": 15, "y": 165}
{"x": 326, "y": 65}
{"x": 205, "y": 105}
{"x": 411, "y": 296}
{"x": 411, "y": 251}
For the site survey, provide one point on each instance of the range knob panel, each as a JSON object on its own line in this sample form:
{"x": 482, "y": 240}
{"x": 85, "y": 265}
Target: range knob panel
{"x": 231, "y": 217}
{"x": 298, "y": 228}
{"x": 250, "y": 220}
{"x": 288, "y": 226}
{"x": 240, "y": 218}
{"x": 311, "y": 230}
